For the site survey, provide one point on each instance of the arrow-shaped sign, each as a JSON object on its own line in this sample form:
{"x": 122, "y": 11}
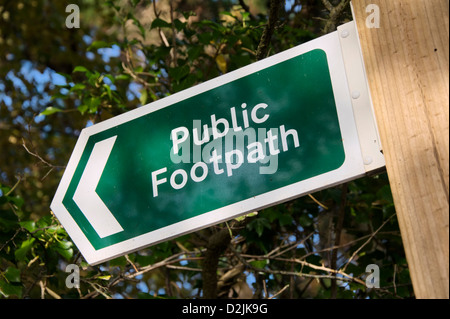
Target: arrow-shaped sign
{"x": 86, "y": 197}
{"x": 266, "y": 133}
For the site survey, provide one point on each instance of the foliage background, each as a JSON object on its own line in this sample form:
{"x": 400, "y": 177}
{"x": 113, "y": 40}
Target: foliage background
{"x": 54, "y": 81}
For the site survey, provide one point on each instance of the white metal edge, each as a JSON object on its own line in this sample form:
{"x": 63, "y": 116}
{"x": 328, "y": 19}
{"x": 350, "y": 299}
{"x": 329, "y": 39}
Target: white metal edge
{"x": 373, "y": 158}
{"x": 58, "y": 208}
{"x": 352, "y": 167}
{"x": 206, "y": 86}
{"x": 365, "y": 77}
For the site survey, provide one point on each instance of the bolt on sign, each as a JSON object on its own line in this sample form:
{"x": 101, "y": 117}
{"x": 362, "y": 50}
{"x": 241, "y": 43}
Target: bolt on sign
{"x": 269, "y": 132}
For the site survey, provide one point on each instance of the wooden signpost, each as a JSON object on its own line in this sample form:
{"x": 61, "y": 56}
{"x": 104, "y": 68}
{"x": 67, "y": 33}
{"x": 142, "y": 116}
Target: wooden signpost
{"x": 405, "y": 45}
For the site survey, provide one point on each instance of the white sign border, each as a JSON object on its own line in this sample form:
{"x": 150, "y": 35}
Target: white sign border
{"x": 351, "y": 168}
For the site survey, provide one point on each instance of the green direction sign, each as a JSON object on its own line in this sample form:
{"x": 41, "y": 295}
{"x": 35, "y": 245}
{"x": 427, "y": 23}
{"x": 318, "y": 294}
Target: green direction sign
{"x": 257, "y": 136}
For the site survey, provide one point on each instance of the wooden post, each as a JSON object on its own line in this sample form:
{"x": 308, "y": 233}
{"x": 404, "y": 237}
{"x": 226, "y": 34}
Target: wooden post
{"x": 407, "y": 63}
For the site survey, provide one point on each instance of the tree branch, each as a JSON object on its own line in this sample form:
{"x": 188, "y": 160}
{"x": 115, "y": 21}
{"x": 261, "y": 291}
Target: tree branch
{"x": 335, "y": 13}
{"x": 217, "y": 243}
{"x": 51, "y": 166}
{"x": 263, "y": 46}
{"x": 368, "y": 240}
{"x": 244, "y": 6}
{"x": 337, "y": 236}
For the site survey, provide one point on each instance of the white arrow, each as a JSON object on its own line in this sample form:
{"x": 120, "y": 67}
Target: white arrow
{"x": 90, "y": 204}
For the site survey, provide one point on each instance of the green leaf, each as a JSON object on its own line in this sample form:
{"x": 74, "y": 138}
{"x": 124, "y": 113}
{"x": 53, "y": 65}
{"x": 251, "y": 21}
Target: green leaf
{"x": 58, "y": 95}
{"x": 83, "y": 108}
{"x": 64, "y": 248}
{"x": 122, "y": 77}
{"x": 188, "y": 14}
{"x": 143, "y": 97}
{"x": 28, "y": 225}
{"x": 45, "y": 221}
{"x": 179, "y": 25}
{"x": 194, "y": 52}
{"x": 108, "y": 90}
{"x": 104, "y": 277}
{"x": 285, "y": 219}
{"x": 259, "y": 263}
{"x": 98, "y": 45}
{"x": 305, "y": 220}
{"x": 139, "y": 69}
{"x": 205, "y": 38}
{"x": 187, "y": 82}
{"x": 119, "y": 261}
{"x": 65, "y": 244}
{"x": 228, "y": 13}
{"x": 241, "y": 218}
{"x": 17, "y": 200}
{"x": 77, "y": 87}
{"x": 9, "y": 289}
{"x": 245, "y": 16}
{"x": 109, "y": 76}
{"x": 139, "y": 25}
{"x": 22, "y": 252}
{"x": 12, "y": 274}
{"x": 179, "y": 72}
{"x": 80, "y": 68}
{"x": 65, "y": 253}
{"x": 258, "y": 225}
{"x": 92, "y": 103}
{"x": 50, "y": 110}
{"x": 159, "y": 23}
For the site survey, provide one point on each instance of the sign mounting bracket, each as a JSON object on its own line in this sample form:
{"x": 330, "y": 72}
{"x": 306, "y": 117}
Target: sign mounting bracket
{"x": 371, "y": 148}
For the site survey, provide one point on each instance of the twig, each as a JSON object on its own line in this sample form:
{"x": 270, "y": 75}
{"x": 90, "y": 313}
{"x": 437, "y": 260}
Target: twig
{"x": 184, "y": 268}
{"x": 166, "y": 262}
{"x": 368, "y": 240}
{"x": 131, "y": 263}
{"x": 52, "y": 167}
{"x": 300, "y": 274}
{"x": 41, "y": 284}
{"x": 328, "y": 5}
{"x": 294, "y": 245}
{"x": 304, "y": 263}
{"x": 12, "y": 238}
{"x": 52, "y": 293}
{"x": 263, "y": 46}
{"x": 393, "y": 280}
{"x": 249, "y": 51}
{"x": 174, "y": 36}
{"x": 98, "y": 290}
{"x": 14, "y": 187}
{"x": 36, "y": 155}
{"x": 244, "y": 6}
{"x": 169, "y": 260}
{"x": 335, "y": 12}
{"x": 317, "y": 202}
{"x": 279, "y": 292}
{"x": 264, "y": 287}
